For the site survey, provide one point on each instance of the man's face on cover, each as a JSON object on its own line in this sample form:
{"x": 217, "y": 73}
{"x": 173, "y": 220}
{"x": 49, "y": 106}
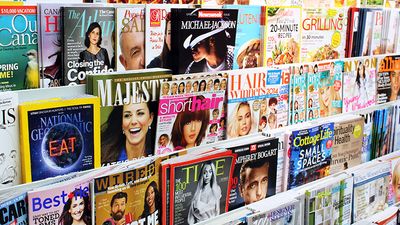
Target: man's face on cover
{"x": 132, "y": 50}
{"x": 255, "y": 186}
{"x": 118, "y": 209}
{"x": 199, "y": 51}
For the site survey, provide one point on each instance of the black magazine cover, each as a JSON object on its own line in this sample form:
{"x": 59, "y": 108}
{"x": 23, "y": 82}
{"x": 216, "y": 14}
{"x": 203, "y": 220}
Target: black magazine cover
{"x": 387, "y": 79}
{"x": 254, "y": 176}
{"x": 199, "y": 188}
{"x": 88, "y": 46}
{"x": 203, "y": 40}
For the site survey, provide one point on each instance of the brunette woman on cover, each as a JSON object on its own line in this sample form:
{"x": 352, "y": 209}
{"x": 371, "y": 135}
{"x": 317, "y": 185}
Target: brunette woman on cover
{"x": 94, "y": 51}
{"x": 164, "y": 59}
{"x": 127, "y": 133}
{"x": 189, "y": 127}
{"x": 205, "y": 201}
{"x": 152, "y": 201}
{"x": 76, "y": 211}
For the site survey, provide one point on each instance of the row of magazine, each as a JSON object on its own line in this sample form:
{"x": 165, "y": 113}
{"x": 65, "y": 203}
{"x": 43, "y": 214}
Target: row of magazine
{"x": 148, "y": 112}
{"x": 191, "y": 186}
{"x": 63, "y": 43}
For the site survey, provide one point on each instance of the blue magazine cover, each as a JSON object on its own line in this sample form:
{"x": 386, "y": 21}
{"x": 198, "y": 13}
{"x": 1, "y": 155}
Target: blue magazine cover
{"x": 61, "y": 140}
{"x": 248, "y": 36}
{"x": 310, "y": 154}
{"x": 14, "y": 210}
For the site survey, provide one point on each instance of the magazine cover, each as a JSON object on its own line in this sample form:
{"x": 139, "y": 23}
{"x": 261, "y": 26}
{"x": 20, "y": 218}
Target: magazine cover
{"x": 299, "y": 83}
{"x": 352, "y": 31}
{"x": 313, "y": 88}
{"x": 282, "y": 32}
{"x": 87, "y": 42}
{"x": 257, "y": 100}
{"x": 128, "y": 197}
{"x": 347, "y": 145}
{"x": 323, "y": 34}
{"x": 247, "y": 53}
{"x": 10, "y": 167}
{"x": 18, "y": 48}
{"x": 366, "y": 34}
{"x": 128, "y": 112}
{"x": 50, "y": 43}
{"x": 280, "y": 134}
{"x": 130, "y": 39}
{"x": 61, "y": 203}
{"x": 14, "y": 210}
{"x": 370, "y": 190}
{"x": 200, "y": 188}
{"x": 392, "y": 27}
{"x": 387, "y": 79}
{"x": 310, "y": 154}
{"x": 367, "y": 137}
{"x": 330, "y": 91}
{"x": 199, "y": 35}
{"x": 158, "y": 35}
{"x": 396, "y": 133}
{"x": 359, "y": 83}
{"x": 330, "y": 203}
{"x": 286, "y": 213}
{"x": 256, "y": 164}
{"x": 59, "y": 137}
{"x": 189, "y": 116}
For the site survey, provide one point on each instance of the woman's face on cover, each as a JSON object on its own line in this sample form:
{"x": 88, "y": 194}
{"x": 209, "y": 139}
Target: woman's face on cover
{"x": 244, "y": 120}
{"x": 150, "y": 196}
{"x": 395, "y": 81}
{"x": 94, "y": 36}
{"x": 165, "y": 89}
{"x": 310, "y": 103}
{"x": 191, "y": 131}
{"x": 168, "y": 35}
{"x": 174, "y": 88}
{"x": 202, "y": 86}
{"x": 263, "y": 106}
{"x": 209, "y": 85}
{"x": 325, "y": 92}
{"x": 77, "y": 208}
{"x": 361, "y": 70}
{"x": 223, "y": 84}
{"x": 195, "y": 86}
{"x": 136, "y": 119}
{"x": 181, "y": 88}
{"x": 207, "y": 174}
{"x": 163, "y": 141}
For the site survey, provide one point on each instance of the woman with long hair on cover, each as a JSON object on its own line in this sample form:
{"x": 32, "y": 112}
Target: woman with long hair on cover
{"x": 76, "y": 211}
{"x": 152, "y": 201}
{"x": 241, "y": 120}
{"x": 190, "y": 127}
{"x": 127, "y": 133}
{"x": 205, "y": 203}
{"x": 164, "y": 59}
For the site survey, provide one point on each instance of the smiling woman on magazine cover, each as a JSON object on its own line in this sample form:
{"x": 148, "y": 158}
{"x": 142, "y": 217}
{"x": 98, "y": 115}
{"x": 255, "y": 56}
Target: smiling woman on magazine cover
{"x": 205, "y": 201}
{"x": 94, "y": 51}
{"x": 152, "y": 201}
{"x": 126, "y": 135}
{"x": 189, "y": 127}
{"x": 76, "y": 211}
{"x": 241, "y": 121}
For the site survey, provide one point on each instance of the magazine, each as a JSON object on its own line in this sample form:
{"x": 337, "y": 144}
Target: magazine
{"x": 125, "y": 98}
{"x": 313, "y": 89}
{"x": 190, "y": 115}
{"x": 330, "y": 91}
{"x": 190, "y": 202}
{"x": 323, "y": 34}
{"x": 359, "y": 82}
{"x": 282, "y": 32}
{"x": 130, "y": 34}
{"x": 193, "y": 30}
{"x": 298, "y": 101}
{"x": 387, "y": 79}
{"x": 87, "y": 42}
{"x": 310, "y": 154}
{"x": 19, "y": 48}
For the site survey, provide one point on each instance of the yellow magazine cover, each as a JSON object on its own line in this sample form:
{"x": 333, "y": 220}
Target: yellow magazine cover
{"x": 59, "y": 136}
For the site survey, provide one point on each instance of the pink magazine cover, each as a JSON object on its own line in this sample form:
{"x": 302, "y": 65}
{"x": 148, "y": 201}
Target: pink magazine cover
{"x": 190, "y": 113}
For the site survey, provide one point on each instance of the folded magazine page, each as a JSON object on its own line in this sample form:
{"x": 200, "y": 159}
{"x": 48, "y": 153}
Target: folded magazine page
{"x": 190, "y": 115}
{"x": 199, "y": 188}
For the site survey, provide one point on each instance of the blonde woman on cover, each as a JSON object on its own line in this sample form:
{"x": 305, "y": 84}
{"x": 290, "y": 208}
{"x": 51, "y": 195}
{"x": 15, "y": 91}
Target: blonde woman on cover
{"x": 396, "y": 181}
{"x": 327, "y": 94}
{"x": 206, "y": 199}
{"x": 240, "y": 121}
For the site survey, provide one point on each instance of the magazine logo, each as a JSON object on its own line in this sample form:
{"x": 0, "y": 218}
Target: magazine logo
{"x": 155, "y": 17}
{"x": 253, "y": 148}
{"x": 210, "y": 14}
